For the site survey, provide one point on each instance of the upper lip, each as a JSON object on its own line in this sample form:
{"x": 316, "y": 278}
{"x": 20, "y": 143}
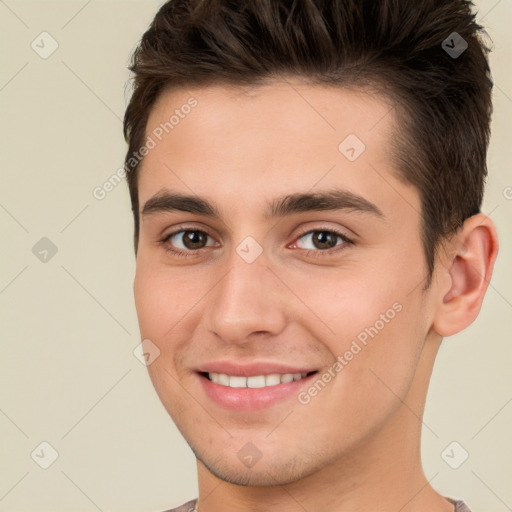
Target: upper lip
{"x": 251, "y": 369}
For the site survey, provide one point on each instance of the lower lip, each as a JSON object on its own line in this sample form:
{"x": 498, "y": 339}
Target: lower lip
{"x": 251, "y": 399}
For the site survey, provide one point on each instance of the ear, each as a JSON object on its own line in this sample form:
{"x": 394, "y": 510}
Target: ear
{"x": 466, "y": 271}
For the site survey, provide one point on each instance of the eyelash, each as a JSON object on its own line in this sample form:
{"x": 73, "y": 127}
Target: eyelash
{"x": 309, "y": 252}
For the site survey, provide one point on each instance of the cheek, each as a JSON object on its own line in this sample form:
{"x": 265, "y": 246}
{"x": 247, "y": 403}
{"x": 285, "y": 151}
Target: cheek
{"x": 344, "y": 305}
{"x": 389, "y": 347}
{"x": 150, "y": 302}
{"x": 372, "y": 321}
{"x": 168, "y": 304}
{"x": 162, "y": 297}
{"x": 159, "y": 308}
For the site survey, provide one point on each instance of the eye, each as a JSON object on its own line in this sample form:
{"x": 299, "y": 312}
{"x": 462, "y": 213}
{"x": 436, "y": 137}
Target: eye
{"x": 317, "y": 242}
{"x": 186, "y": 241}
{"x": 322, "y": 240}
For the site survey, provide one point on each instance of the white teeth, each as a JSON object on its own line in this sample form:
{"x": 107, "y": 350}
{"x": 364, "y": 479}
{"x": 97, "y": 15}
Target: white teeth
{"x": 222, "y": 379}
{"x": 273, "y": 379}
{"x": 257, "y": 381}
{"x": 237, "y": 382}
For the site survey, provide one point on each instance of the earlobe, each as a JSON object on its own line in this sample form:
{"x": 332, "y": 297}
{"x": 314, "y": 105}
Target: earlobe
{"x": 468, "y": 271}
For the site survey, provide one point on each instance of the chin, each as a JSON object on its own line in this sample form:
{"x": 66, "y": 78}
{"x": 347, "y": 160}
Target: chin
{"x": 264, "y": 473}
{"x": 252, "y": 477}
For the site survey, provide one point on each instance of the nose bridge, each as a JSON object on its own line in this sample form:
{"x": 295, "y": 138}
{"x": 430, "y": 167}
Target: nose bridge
{"x": 247, "y": 299}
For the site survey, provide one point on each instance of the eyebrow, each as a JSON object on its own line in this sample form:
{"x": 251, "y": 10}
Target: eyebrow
{"x": 329, "y": 200}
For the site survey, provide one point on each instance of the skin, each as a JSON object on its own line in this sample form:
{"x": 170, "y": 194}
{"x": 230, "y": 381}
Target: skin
{"x": 357, "y": 442}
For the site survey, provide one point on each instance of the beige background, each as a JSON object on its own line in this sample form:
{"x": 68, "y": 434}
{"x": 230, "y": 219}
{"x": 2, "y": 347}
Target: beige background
{"x": 69, "y": 328}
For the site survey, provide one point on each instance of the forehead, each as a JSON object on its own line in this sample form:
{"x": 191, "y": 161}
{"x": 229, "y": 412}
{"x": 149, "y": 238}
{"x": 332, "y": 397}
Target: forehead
{"x": 293, "y": 110}
{"x": 227, "y": 142}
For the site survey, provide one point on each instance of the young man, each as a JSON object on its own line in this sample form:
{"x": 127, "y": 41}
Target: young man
{"x": 306, "y": 180}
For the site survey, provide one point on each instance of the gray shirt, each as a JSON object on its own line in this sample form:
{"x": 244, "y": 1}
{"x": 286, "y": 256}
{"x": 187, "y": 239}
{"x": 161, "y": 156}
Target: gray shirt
{"x": 190, "y": 505}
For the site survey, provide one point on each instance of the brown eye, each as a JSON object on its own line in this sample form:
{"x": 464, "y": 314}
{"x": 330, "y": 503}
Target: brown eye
{"x": 191, "y": 239}
{"x": 194, "y": 239}
{"x": 322, "y": 240}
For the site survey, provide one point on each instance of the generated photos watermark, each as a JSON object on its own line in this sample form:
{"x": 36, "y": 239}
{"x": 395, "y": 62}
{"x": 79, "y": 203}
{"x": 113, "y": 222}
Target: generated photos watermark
{"x": 100, "y": 192}
{"x": 357, "y": 345}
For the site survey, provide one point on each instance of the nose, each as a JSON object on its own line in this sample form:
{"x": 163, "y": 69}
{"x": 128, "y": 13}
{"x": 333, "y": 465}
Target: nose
{"x": 248, "y": 302}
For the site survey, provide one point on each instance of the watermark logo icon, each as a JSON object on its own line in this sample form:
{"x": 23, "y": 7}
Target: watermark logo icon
{"x": 249, "y": 455}
{"x": 44, "y": 45}
{"x": 44, "y": 455}
{"x": 44, "y": 250}
{"x": 454, "y": 455}
{"x": 352, "y": 147}
{"x": 146, "y": 352}
{"x": 454, "y": 45}
{"x": 249, "y": 249}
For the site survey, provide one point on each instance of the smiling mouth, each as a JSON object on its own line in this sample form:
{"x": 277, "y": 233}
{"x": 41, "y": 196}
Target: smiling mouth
{"x": 256, "y": 381}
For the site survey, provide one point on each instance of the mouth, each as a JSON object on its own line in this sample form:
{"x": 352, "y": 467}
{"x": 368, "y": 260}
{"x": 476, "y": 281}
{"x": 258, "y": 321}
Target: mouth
{"x": 255, "y": 381}
{"x": 252, "y": 393}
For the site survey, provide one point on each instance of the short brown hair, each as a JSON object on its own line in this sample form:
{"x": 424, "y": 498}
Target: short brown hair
{"x": 400, "y": 46}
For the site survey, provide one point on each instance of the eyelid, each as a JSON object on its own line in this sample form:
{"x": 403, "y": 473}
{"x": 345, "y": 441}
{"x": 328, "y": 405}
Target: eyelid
{"x": 331, "y": 229}
{"x": 183, "y": 227}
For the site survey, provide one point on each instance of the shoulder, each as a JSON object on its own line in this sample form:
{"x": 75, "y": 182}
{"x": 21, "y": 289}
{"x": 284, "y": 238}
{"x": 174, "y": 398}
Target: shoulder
{"x": 189, "y": 507}
{"x": 460, "y": 506}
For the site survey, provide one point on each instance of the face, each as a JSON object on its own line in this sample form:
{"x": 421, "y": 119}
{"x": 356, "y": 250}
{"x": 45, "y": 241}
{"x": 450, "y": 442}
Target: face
{"x": 285, "y": 291}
